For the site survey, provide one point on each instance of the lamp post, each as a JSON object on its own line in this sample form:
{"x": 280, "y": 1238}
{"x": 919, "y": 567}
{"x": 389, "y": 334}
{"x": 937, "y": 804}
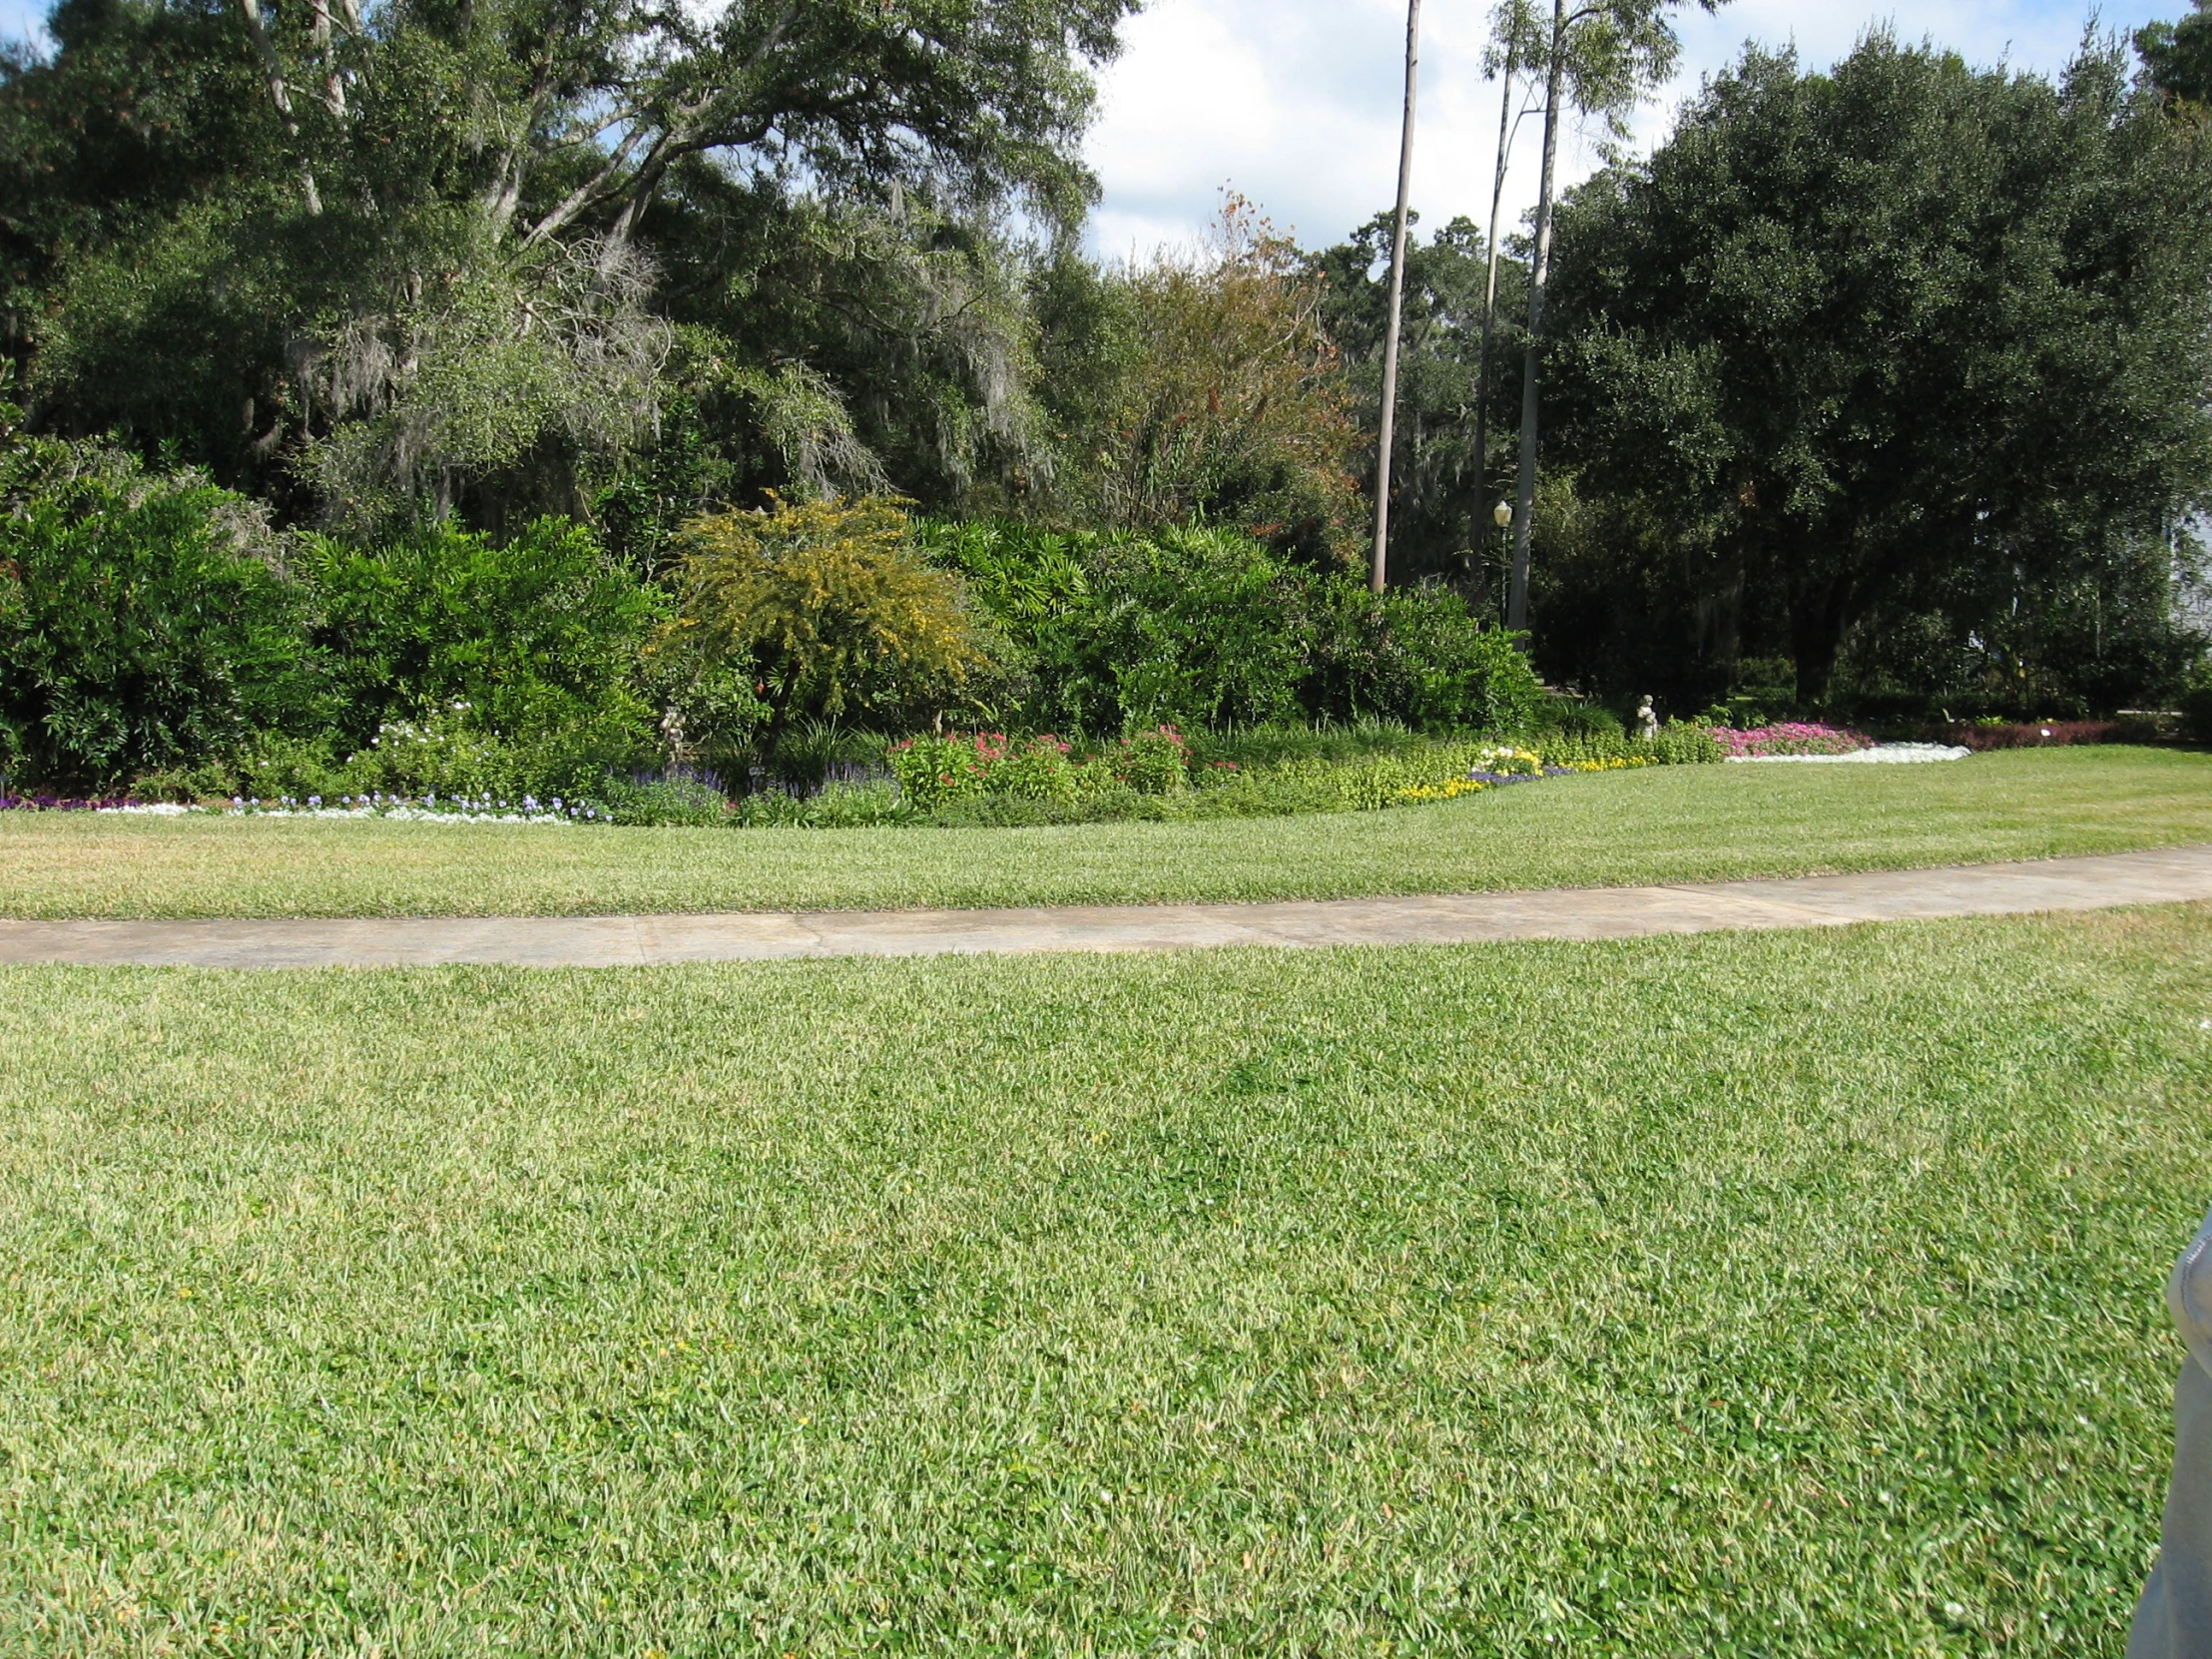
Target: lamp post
{"x": 1503, "y": 516}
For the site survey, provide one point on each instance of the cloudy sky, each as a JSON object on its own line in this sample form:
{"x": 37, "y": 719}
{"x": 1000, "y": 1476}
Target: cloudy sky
{"x": 1294, "y": 103}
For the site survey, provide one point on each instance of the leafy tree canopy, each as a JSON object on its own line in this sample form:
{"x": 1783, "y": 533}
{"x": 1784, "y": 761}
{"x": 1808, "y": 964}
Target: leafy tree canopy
{"x": 2177, "y": 57}
{"x": 383, "y": 255}
{"x": 1847, "y": 335}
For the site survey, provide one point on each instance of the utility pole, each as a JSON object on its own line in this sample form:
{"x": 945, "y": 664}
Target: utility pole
{"x": 1539, "y": 275}
{"x": 1506, "y": 125}
{"x": 1397, "y": 303}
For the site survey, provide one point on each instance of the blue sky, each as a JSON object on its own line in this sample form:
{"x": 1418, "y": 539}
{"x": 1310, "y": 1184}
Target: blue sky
{"x": 1294, "y": 103}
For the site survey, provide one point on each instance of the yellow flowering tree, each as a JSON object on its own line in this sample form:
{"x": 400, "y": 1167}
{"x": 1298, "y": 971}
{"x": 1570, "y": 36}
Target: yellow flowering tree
{"x": 824, "y": 597}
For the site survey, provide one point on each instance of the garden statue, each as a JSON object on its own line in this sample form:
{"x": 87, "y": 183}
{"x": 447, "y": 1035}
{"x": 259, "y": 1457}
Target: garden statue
{"x": 1647, "y": 722}
{"x": 671, "y": 737}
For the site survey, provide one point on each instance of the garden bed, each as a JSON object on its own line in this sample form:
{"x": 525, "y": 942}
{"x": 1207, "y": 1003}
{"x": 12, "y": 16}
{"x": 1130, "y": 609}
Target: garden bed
{"x": 988, "y": 779}
{"x": 1980, "y": 735}
{"x": 1893, "y": 753}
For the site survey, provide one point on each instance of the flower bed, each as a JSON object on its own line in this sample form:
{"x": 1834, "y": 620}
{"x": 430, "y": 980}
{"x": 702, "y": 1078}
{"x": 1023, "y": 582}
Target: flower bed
{"x": 1978, "y": 735}
{"x": 1788, "y": 738}
{"x": 934, "y": 772}
{"x": 427, "y": 809}
{"x": 1880, "y": 754}
{"x": 62, "y": 804}
{"x": 992, "y": 779}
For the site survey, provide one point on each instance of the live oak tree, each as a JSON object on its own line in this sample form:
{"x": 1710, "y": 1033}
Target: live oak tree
{"x": 1905, "y": 334}
{"x": 391, "y": 247}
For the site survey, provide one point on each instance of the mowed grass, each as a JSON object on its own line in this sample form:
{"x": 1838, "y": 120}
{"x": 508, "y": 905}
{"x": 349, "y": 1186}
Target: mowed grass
{"x": 1670, "y": 823}
{"x": 1756, "y": 1294}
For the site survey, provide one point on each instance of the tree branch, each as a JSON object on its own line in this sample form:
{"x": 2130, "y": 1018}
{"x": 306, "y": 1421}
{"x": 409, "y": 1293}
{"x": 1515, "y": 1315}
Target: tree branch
{"x": 279, "y": 94}
{"x": 591, "y": 190}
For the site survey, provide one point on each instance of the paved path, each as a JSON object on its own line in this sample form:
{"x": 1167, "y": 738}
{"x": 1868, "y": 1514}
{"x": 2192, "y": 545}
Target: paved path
{"x": 1570, "y": 913}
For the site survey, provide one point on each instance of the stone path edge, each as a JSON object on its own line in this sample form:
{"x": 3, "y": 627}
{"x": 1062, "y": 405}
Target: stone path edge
{"x": 2160, "y": 876}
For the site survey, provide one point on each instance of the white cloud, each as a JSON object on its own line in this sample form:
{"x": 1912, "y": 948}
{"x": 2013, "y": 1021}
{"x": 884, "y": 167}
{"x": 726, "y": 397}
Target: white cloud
{"x": 1295, "y": 103}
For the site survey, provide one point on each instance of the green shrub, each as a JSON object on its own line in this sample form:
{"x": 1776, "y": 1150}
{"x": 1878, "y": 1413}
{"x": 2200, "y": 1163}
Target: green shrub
{"x": 1449, "y": 671}
{"x": 935, "y": 770}
{"x": 679, "y": 799}
{"x": 1209, "y": 628}
{"x": 1418, "y": 655}
{"x": 536, "y": 640}
{"x": 2196, "y": 706}
{"x": 1684, "y": 744}
{"x": 1038, "y": 770}
{"x": 269, "y": 766}
{"x": 1155, "y": 762}
{"x": 449, "y": 752}
{"x": 147, "y": 620}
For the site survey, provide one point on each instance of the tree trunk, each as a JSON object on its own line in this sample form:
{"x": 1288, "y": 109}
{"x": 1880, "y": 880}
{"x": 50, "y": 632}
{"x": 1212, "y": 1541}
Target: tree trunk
{"x": 1397, "y": 303}
{"x": 779, "y": 712}
{"x": 1489, "y": 290}
{"x": 1539, "y": 278}
{"x": 1819, "y": 614}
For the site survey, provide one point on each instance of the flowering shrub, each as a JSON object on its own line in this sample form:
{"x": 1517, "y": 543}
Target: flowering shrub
{"x": 1038, "y": 770}
{"x": 1997, "y": 734}
{"x": 1789, "y": 738}
{"x": 933, "y": 771}
{"x": 1155, "y": 762}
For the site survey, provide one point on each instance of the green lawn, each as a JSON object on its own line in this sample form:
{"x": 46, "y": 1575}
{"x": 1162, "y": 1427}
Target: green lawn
{"x": 1662, "y": 824}
{"x": 1763, "y": 1294}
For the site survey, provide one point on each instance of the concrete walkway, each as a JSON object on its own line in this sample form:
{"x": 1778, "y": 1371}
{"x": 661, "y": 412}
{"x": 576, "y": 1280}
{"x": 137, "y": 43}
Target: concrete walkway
{"x": 1571, "y": 914}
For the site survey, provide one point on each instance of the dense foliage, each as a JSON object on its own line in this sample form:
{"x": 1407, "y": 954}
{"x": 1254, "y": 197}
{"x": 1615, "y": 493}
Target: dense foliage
{"x": 144, "y": 617}
{"x": 1878, "y": 392}
{"x": 1212, "y": 628}
{"x": 829, "y": 604}
{"x": 539, "y": 635}
{"x": 153, "y": 627}
{"x": 1898, "y": 371}
{"x": 153, "y": 623}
